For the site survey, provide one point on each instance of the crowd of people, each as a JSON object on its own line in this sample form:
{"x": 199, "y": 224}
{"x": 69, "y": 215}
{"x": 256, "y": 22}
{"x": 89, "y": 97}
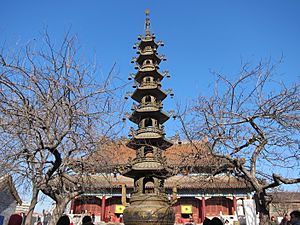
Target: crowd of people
{"x": 17, "y": 219}
{"x": 293, "y": 220}
{"x": 65, "y": 220}
{"x": 90, "y": 220}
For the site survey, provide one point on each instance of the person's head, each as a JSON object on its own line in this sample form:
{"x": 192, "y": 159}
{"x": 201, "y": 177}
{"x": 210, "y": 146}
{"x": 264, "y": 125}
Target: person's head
{"x": 86, "y": 220}
{"x": 226, "y": 221}
{"x": 216, "y": 221}
{"x": 15, "y": 219}
{"x": 206, "y": 221}
{"x": 295, "y": 216}
{"x": 63, "y": 220}
{"x": 272, "y": 218}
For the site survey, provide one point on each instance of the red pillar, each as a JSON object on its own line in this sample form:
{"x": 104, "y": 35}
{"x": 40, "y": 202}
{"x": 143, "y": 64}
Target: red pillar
{"x": 234, "y": 205}
{"x": 198, "y": 206}
{"x": 177, "y": 213}
{"x": 103, "y": 205}
{"x": 203, "y": 209}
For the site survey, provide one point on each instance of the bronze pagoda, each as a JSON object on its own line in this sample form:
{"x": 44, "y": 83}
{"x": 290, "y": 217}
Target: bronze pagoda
{"x": 149, "y": 204}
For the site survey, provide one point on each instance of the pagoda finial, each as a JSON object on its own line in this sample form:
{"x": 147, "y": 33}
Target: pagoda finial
{"x": 147, "y": 22}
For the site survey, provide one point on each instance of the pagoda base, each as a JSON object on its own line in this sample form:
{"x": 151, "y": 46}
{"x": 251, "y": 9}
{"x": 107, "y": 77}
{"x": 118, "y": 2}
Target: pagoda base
{"x": 149, "y": 209}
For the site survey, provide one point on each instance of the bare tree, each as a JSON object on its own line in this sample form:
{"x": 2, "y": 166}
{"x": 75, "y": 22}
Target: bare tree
{"x": 283, "y": 203}
{"x": 54, "y": 111}
{"x": 253, "y": 124}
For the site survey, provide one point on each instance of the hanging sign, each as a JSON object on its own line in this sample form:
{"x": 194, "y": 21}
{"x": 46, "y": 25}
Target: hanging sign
{"x": 119, "y": 208}
{"x": 186, "y": 209}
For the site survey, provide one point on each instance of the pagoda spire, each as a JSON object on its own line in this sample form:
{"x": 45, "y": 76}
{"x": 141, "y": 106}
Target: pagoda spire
{"x": 147, "y": 22}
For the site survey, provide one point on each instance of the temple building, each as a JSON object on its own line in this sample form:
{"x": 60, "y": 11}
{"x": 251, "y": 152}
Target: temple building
{"x": 176, "y": 174}
{"x": 9, "y": 198}
{"x": 198, "y": 194}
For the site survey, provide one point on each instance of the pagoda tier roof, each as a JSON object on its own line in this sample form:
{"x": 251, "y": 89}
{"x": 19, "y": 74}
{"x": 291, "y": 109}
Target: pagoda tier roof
{"x": 100, "y": 182}
{"x": 148, "y": 55}
{"x": 148, "y": 41}
{"x": 146, "y": 72}
{"x": 153, "y": 90}
{"x": 150, "y": 139}
{"x": 149, "y": 111}
{"x": 150, "y": 167}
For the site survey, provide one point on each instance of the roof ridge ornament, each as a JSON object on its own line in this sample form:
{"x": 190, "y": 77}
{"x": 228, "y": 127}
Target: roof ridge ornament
{"x": 147, "y": 22}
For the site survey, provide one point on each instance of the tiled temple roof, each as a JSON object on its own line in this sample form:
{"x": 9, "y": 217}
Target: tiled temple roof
{"x": 195, "y": 161}
{"x": 279, "y": 197}
{"x": 190, "y": 158}
{"x": 180, "y": 181}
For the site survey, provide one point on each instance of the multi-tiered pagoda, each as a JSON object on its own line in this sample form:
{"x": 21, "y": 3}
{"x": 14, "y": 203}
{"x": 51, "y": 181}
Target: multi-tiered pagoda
{"x": 149, "y": 203}
{"x": 197, "y": 198}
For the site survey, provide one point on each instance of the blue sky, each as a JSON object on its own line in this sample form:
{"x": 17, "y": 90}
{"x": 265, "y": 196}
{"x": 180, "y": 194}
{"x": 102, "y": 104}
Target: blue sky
{"x": 199, "y": 35}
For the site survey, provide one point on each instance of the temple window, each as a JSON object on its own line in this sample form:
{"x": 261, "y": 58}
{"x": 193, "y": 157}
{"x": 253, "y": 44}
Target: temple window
{"x": 148, "y": 185}
{"x": 148, "y": 79}
{"x": 147, "y": 62}
{"x": 147, "y": 99}
{"x": 147, "y": 49}
{"x": 148, "y": 151}
{"x": 148, "y": 122}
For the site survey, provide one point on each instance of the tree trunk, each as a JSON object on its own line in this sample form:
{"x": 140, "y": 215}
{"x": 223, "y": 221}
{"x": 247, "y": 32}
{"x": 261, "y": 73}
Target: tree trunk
{"x": 263, "y": 209}
{"x": 264, "y": 218}
{"x": 34, "y": 198}
{"x": 59, "y": 209}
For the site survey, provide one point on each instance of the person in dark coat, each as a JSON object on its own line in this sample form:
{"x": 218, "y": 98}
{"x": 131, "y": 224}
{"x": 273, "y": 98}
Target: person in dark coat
{"x": 216, "y": 221}
{"x": 63, "y": 220}
{"x": 295, "y": 217}
{"x": 285, "y": 220}
{"x": 206, "y": 221}
{"x": 15, "y": 219}
{"x": 87, "y": 220}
